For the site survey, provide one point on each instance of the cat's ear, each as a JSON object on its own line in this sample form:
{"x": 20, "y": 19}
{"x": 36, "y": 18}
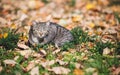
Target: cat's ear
{"x": 48, "y": 23}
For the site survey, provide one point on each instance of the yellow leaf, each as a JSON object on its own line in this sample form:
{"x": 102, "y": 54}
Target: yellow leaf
{"x": 90, "y": 6}
{"x": 78, "y": 72}
{"x": 113, "y": 22}
{"x": 76, "y": 18}
{"x": 92, "y": 25}
{"x": 5, "y": 35}
{"x": 24, "y": 38}
{"x": 13, "y": 26}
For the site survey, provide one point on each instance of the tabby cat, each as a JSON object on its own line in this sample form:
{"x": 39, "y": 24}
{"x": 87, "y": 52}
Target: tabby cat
{"x": 46, "y": 32}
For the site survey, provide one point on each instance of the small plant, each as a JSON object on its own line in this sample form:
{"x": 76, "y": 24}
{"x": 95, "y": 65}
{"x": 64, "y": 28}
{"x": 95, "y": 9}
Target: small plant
{"x": 117, "y": 16}
{"x": 79, "y": 35}
{"x": 45, "y": 1}
{"x": 10, "y": 41}
{"x": 67, "y": 46}
{"x": 13, "y": 70}
{"x": 72, "y": 3}
{"x": 100, "y": 46}
{"x": 118, "y": 48}
{"x": 6, "y": 54}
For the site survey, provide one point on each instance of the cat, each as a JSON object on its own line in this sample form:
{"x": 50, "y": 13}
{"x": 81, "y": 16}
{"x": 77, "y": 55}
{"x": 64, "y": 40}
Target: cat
{"x": 46, "y": 32}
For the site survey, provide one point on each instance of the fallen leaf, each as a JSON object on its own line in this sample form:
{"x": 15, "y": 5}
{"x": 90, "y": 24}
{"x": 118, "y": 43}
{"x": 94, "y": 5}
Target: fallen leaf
{"x": 16, "y": 57}
{"x": 92, "y": 25}
{"x": 116, "y": 71}
{"x": 24, "y": 38}
{"x": 35, "y": 4}
{"x": 23, "y": 17}
{"x": 5, "y": 35}
{"x": 1, "y": 35}
{"x": 56, "y": 51}
{"x": 35, "y": 71}
{"x": 30, "y": 66}
{"x": 22, "y": 46}
{"x": 47, "y": 63}
{"x": 13, "y": 26}
{"x": 78, "y": 72}
{"x": 25, "y": 52}
{"x": 76, "y": 18}
{"x": 9, "y": 62}
{"x": 106, "y": 51}
{"x": 60, "y": 70}
{"x": 90, "y": 69}
{"x": 1, "y": 68}
{"x": 61, "y": 62}
{"x": 42, "y": 52}
{"x": 90, "y": 6}
{"x": 63, "y": 22}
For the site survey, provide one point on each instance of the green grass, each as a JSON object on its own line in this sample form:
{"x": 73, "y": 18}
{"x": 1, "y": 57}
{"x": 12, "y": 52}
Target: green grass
{"x": 79, "y": 37}
{"x": 9, "y": 42}
{"x": 95, "y": 56}
{"x": 6, "y": 54}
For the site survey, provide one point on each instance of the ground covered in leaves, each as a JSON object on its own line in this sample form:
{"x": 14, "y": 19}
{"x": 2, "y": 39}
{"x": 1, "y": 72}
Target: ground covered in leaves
{"x": 94, "y": 24}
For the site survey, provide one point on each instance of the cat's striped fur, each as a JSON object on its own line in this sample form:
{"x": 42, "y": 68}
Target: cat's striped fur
{"x": 46, "y": 32}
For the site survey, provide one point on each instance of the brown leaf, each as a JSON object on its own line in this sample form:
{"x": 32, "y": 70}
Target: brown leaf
{"x": 42, "y": 52}
{"x": 9, "y": 62}
{"x": 25, "y": 52}
{"x": 1, "y": 68}
{"x": 30, "y": 66}
{"x": 22, "y": 46}
{"x": 106, "y": 51}
{"x": 47, "y": 63}
{"x": 35, "y": 71}
{"x": 61, "y": 62}
{"x": 116, "y": 71}
{"x": 60, "y": 70}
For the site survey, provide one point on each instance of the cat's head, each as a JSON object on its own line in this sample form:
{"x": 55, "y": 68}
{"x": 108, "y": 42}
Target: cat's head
{"x": 40, "y": 29}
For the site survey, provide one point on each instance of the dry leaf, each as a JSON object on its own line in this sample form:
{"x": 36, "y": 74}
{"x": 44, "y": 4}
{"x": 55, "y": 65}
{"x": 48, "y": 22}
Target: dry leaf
{"x": 61, "y": 62}
{"x": 1, "y": 35}
{"x": 90, "y": 6}
{"x": 35, "y": 71}
{"x": 90, "y": 69}
{"x": 5, "y": 35}
{"x": 16, "y": 57}
{"x": 36, "y": 55}
{"x": 92, "y": 25}
{"x": 9, "y": 62}
{"x": 47, "y": 63}
{"x": 106, "y": 51}
{"x": 56, "y": 51}
{"x": 26, "y": 53}
{"x": 30, "y": 66}
{"x": 78, "y": 72}
{"x": 42, "y": 52}
{"x": 1, "y": 68}
{"x": 77, "y": 65}
{"x": 22, "y": 46}
{"x": 76, "y": 18}
{"x": 35, "y": 4}
{"x": 63, "y": 22}
{"x": 116, "y": 71}
{"x": 13, "y": 26}
{"x": 23, "y": 17}
{"x": 60, "y": 70}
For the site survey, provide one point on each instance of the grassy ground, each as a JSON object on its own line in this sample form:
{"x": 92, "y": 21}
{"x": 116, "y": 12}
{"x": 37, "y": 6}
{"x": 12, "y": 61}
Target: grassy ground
{"x": 95, "y": 49}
